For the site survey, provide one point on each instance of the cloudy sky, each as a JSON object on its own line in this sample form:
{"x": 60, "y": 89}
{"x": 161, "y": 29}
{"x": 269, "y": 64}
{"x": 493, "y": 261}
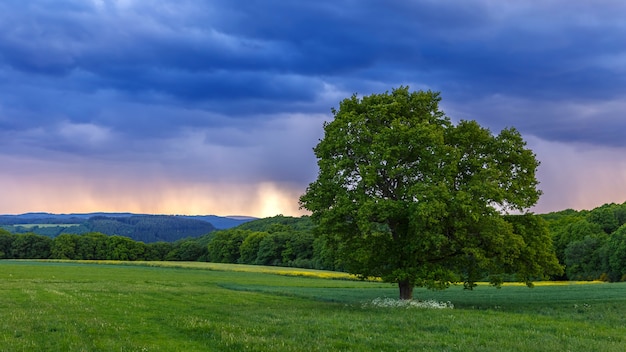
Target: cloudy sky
{"x": 213, "y": 107}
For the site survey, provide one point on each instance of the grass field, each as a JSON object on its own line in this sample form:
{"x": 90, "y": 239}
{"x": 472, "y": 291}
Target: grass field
{"x": 74, "y": 306}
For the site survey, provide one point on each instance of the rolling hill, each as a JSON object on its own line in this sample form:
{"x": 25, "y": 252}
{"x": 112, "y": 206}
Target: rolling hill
{"x": 140, "y": 227}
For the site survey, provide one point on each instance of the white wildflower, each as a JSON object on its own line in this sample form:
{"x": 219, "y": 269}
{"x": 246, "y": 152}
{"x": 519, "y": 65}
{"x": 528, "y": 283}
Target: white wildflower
{"x": 408, "y": 303}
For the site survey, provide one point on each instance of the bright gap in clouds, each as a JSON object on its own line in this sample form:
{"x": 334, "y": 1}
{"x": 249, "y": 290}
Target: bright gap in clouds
{"x": 82, "y": 196}
{"x": 35, "y": 185}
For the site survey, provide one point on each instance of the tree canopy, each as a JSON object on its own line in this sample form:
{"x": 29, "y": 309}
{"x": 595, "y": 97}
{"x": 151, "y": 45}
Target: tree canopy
{"x": 406, "y": 195}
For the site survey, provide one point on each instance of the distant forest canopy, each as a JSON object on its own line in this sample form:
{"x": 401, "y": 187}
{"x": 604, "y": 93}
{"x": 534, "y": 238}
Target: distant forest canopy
{"x": 139, "y": 227}
{"x": 591, "y": 244}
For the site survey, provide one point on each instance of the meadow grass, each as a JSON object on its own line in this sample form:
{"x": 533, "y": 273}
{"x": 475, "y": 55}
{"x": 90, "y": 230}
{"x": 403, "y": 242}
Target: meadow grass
{"x": 152, "y": 306}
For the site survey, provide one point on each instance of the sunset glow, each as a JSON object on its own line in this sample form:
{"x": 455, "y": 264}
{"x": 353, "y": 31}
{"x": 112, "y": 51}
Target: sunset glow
{"x": 73, "y": 193}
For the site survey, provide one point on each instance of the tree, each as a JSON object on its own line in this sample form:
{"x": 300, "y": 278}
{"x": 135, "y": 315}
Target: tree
{"x": 405, "y": 195}
{"x": 271, "y": 248}
{"x": 325, "y": 256}
{"x": 92, "y": 246}
{"x": 31, "y": 246}
{"x": 124, "y": 248}
{"x": 64, "y": 246}
{"x": 249, "y": 248}
{"x": 187, "y": 250}
{"x": 575, "y": 231}
{"x": 6, "y": 242}
{"x": 298, "y": 250}
{"x": 158, "y": 251}
{"x": 584, "y": 258}
{"x": 224, "y": 247}
{"x": 536, "y": 235}
{"x": 617, "y": 255}
{"x": 606, "y": 217}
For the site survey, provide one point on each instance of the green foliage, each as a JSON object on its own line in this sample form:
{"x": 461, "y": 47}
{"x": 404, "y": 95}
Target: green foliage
{"x": 278, "y": 241}
{"x": 92, "y": 246}
{"x": 589, "y": 242}
{"x": 583, "y": 258}
{"x": 279, "y": 223}
{"x": 187, "y": 251}
{"x": 249, "y": 249}
{"x": 123, "y": 248}
{"x": 298, "y": 250}
{"x": 224, "y": 247}
{"x": 271, "y": 248}
{"x": 575, "y": 231}
{"x": 325, "y": 255}
{"x": 405, "y": 195}
{"x": 64, "y": 247}
{"x": 291, "y": 242}
{"x": 605, "y": 217}
{"x": 616, "y": 253}
{"x": 30, "y": 246}
{"x": 536, "y": 253}
{"x": 6, "y": 242}
{"x": 160, "y": 251}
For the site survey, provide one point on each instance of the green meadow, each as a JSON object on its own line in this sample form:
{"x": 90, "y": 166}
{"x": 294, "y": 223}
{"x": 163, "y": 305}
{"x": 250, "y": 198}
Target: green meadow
{"x": 121, "y": 306}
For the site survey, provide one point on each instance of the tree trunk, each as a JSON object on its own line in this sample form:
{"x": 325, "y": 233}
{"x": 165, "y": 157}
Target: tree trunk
{"x": 406, "y": 289}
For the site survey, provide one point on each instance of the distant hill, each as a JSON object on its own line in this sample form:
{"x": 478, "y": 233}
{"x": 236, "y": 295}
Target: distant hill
{"x": 222, "y": 222}
{"x": 140, "y": 227}
{"x": 48, "y": 218}
{"x": 279, "y": 223}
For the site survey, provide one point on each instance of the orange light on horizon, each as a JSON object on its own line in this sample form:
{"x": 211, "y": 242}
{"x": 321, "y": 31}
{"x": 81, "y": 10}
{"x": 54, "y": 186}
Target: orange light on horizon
{"x": 77, "y": 195}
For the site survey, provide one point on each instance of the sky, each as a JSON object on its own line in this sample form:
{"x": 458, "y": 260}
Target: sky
{"x": 213, "y": 107}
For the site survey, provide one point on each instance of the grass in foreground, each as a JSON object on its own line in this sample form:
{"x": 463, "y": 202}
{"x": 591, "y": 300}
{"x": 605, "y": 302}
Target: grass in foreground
{"x": 87, "y": 307}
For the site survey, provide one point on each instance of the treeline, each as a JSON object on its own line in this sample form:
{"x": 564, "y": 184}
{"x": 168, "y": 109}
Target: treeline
{"x": 98, "y": 246}
{"x": 280, "y": 241}
{"x": 591, "y": 243}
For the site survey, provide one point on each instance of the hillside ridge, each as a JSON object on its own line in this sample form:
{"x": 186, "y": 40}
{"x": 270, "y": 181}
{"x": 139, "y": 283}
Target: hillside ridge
{"x": 139, "y": 227}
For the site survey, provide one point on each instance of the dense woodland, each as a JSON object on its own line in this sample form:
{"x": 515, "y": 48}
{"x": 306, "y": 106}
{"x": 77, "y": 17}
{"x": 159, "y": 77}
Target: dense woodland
{"x": 144, "y": 228}
{"x": 591, "y": 244}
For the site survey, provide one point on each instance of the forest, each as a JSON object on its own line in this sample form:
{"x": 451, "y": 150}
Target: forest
{"x": 144, "y": 228}
{"x": 590, "y": 244}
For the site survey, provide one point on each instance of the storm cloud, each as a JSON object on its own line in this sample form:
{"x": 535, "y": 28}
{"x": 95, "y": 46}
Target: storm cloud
{"x": 213, "y": 107}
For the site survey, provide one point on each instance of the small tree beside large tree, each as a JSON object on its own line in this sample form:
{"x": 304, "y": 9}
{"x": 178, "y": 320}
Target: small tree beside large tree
{"x": 406, "y": 195}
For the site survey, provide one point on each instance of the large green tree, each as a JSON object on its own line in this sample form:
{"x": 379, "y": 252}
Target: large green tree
{"x": 406, "y": 195}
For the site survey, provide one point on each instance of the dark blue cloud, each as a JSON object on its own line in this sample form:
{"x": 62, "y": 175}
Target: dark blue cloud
{"x": 151, "y": 70}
